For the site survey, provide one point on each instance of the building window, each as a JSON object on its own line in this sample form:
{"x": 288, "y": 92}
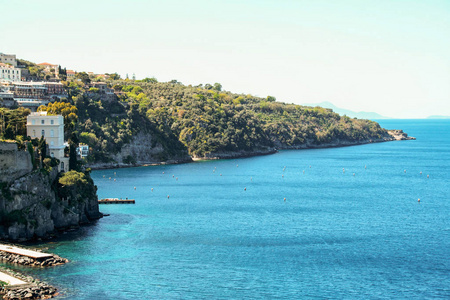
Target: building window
{"x": 51, "y": 122}
{"x": 52, "y": 154}
{"x": 62, "y": 166}
{"x": 52, "y": 143}
{"x": 43, "y": 132}
{"x": 42, "y": 121}
{"x": 52, "y": 133}
{"x": 34, "y": 132}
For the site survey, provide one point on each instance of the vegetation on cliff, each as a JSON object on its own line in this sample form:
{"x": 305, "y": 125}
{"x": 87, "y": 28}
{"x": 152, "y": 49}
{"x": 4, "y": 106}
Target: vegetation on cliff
{"x": 199, "y": 120}
{"x": 205, "y": 120}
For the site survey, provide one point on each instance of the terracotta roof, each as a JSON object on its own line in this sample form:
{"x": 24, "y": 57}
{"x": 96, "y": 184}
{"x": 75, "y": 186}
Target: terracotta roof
{"x": 46, "y": 64}
{"x": 5, "y": 65}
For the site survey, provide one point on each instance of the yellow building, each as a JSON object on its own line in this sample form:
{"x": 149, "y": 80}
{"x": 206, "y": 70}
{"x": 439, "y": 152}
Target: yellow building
{"x": 52, "y": 129}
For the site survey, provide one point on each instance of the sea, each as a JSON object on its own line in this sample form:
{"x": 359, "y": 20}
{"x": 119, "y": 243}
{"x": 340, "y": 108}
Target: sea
{"x": 335, "y": 223}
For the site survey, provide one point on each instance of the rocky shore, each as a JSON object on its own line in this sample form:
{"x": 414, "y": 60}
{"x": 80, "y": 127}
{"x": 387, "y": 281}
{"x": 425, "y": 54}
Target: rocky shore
{"x": 393, "y": 135}
{"x": 116, "y": 165}
{"x": 55, "y": 260}
{"x": 237, "y": 154}
{"x": 35, "y": 289}
{"x": 399, "y": 135}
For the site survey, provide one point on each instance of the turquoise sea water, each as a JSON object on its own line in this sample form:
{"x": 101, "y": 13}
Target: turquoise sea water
{"x": 359, "y": 234}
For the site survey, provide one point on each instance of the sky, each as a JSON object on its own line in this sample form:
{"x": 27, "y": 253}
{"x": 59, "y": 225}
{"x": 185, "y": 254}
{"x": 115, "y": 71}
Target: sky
{"x": 386, "y": 56}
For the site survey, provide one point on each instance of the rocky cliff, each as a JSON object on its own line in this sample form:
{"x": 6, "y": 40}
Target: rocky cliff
{"x": 143, "y": 149}
{"x": 34, "y": 205}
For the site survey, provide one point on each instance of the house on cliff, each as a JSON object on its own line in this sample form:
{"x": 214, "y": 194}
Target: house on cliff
{"x": 51, "y": 127}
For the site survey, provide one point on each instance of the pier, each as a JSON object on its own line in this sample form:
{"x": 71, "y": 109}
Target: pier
{"x": 12, "y": 282}
{"x": 24, "y": 252}
{"x": 116, "y": 201}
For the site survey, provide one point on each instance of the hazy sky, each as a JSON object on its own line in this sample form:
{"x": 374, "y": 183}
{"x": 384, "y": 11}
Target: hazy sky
{"x": 391, "y": 57}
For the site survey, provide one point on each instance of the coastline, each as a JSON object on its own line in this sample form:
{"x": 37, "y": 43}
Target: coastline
{"x": 393, "y": 135}
{"x": 19, "y": 285}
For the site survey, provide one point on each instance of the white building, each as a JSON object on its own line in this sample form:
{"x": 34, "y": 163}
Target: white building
{"x": 8, "y": 59}
{"x": 52, "y": 129}
{"x": 10, "y": 73}
{"x": 83, "y": 150}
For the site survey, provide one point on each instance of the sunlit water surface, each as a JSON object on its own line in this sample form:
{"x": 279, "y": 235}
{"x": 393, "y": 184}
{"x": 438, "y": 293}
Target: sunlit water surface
{"x": 358, "y": 234}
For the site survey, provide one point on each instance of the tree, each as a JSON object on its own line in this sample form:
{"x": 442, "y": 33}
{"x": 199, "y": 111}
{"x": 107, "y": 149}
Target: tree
{"x": 271, "y": 99}
{"x": 113, "y": 76}
{"x": 31, "y": 151}
{"x": 150, "y": 80}
{"x": 83, "y": 76}
{"x": 73, "y": 178}
{"x": 42, "y": 146}
{"x": 9, "y": 133}
{"x": 73, "y": 144}
{"x": 217, "y": 87}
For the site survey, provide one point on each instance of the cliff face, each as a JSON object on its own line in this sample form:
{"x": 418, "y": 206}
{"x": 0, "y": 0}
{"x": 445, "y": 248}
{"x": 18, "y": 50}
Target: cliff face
{"x": 142, "y": 150}
{"x": 31, "y": 205}
{"x": 13, "y": 163}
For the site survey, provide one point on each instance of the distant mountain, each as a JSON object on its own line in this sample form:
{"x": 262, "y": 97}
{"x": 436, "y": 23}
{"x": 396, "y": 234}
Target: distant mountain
{"x": 349, "y": 113}
{"x": 438, "y": 117}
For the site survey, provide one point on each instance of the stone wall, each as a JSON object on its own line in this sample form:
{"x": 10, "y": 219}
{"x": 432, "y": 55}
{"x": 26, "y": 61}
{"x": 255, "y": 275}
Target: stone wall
{"x": 13, "y": 163}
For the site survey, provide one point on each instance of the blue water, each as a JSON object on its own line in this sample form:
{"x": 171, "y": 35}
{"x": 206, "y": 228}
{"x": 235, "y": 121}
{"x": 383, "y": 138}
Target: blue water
{"x": 337, "y": 235}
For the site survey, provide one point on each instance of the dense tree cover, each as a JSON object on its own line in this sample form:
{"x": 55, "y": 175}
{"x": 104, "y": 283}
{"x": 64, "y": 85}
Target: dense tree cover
{"x": 208, "y": 120}
{"x": 107, "y": 125}
{"x": 13, "y": 123}
{"x": 201, "y": 119}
